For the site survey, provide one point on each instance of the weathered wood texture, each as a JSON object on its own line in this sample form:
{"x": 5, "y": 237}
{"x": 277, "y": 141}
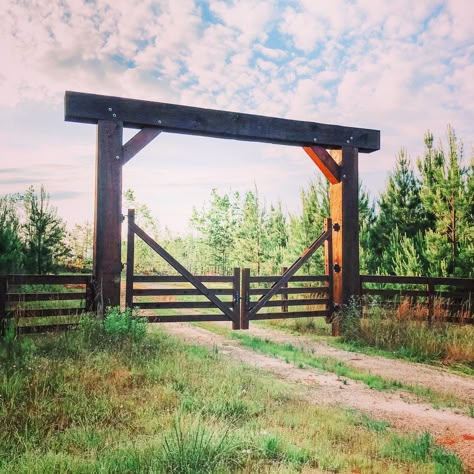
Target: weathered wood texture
{"x": 108, "y": 213}
{"x": 90, "y": 108}
{"x": 285, "y": 278}
{"x": 230, "y": 309}
{"x": 286, "y": 303}
{"x": 328, "y": 266}
{"x": 325, "y": 162}
{"x": 245, "y": 298}
{"x": 130, "y": 259}
{"x": 138, "y": 142}
{"x": 344, "y": 207}
{"x": 183, "y": 271}
{"x": 28, "y": 305}
{"x": 180, "y": 279}
{"x": 236, "y": 298}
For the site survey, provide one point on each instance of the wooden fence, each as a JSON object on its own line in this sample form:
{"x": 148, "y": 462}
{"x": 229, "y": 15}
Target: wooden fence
{"x": 45, "y": 303}
{"x": 449, "y": 299}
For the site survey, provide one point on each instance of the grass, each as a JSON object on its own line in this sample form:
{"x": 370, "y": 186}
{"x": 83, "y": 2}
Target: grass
{"x": 301, "y": 359}
{"x": 392, "y": 334}
{"x": 83, "y": 403}
{"x": 404, "y": 335}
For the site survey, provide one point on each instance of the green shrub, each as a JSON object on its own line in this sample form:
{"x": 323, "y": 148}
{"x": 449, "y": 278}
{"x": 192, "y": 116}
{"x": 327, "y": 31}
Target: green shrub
{"x": 123, "y": 326}
{"x": 15, "y": 353}
{"x": 119, "y": 328}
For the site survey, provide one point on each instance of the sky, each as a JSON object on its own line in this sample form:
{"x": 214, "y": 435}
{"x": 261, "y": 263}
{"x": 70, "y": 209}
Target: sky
{"x": 398, "y": 66}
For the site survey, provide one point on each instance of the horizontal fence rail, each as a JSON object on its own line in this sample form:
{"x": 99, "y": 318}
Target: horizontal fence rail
{"x": 45, "y": 303}
{"x": 160, "y": 297}
{"x": 308, "y": 291}
{"x": 448, "y": 299}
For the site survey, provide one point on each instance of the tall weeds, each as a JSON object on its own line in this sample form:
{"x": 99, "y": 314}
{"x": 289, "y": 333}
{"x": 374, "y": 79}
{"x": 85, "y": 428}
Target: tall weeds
{"x": 402, "y": 331}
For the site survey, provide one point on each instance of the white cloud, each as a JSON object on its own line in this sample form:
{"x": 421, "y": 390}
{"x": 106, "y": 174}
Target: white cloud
{"x": 400, "y": 66}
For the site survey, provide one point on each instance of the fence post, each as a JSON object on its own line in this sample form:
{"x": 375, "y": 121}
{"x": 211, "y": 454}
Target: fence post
{"x": 431, "y": 295}
{"x": 236, "y": 298}
{"x": 130, "y": 259}
{"x": 90, "y": 295}
{"x": 3, "y": 304}
{"x": 245, "y": 299}
{"x": 284, "y": 295}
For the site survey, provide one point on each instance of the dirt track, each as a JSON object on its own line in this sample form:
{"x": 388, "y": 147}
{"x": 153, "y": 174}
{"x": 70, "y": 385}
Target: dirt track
{"x": 454, "y": 430}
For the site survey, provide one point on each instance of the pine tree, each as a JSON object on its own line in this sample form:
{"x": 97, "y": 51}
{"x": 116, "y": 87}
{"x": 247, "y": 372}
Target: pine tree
{"x": 217, "y": 223}
{"x": 366, "y": 222}
{"x": 44, "y": 233}
{"x": 11, "y": 246}
{"x": 276, "y": 240}
{"x": 399, "y": 206}
{"x": 251, "y": 243}
{"x": 445, "y": 194}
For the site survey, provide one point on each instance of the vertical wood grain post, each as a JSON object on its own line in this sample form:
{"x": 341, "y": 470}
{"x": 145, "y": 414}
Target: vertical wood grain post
{"x": 108, "y": 213}
{"x": 236, "y": 298}
{"x": 284, "y": 295}
{"x": 3, "y": 304}
{"x": 130, "y": 259}
{"x": 245, "y": 299}
{"x": 344, "y": 206}
{"x": 328, "y": 267}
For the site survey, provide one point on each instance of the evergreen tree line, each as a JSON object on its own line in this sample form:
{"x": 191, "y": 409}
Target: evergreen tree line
{"x": 32, "y": 235}
{"x": 421, "y": 224}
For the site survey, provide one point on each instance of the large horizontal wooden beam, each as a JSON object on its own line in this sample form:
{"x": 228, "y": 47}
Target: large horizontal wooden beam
{"x": 90, "y": 108}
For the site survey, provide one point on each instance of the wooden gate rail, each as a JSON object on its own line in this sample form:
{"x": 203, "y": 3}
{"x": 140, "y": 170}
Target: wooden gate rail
{"x": 229, "y": 309}
{"x": 318, "y": 295}
{"x": 19, "y": 303}
{"x": 455, "y": 294}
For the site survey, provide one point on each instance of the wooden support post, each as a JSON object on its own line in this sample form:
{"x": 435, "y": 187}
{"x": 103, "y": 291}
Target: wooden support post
{"x": 344, "y": 205}
{"x": 284, "y": 296}
{"x": 236, "y": 298}
{"x": 130, "y": 259}
{"x": 328, "y": 267}
{"x": 108, "y": 214}
{"x": 3, "y": 304}
{"x": 245, "y": 299}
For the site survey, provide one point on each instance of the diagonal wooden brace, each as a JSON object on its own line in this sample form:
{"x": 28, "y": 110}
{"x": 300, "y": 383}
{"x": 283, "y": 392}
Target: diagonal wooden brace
{"x": 138, "y": 142}
{"x": 185, "y": 273}
{"x": 285, "y": 278}
{"x": 325, "y": 162}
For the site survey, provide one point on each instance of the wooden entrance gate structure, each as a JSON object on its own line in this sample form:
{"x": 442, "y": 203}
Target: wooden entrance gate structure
{"x": 239, "y": 309}
{"x": 333, "y": 148}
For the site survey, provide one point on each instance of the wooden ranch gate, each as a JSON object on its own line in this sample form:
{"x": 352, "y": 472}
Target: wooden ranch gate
{"x": 334, "y": 149}
{"x": 240, "y": 308}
